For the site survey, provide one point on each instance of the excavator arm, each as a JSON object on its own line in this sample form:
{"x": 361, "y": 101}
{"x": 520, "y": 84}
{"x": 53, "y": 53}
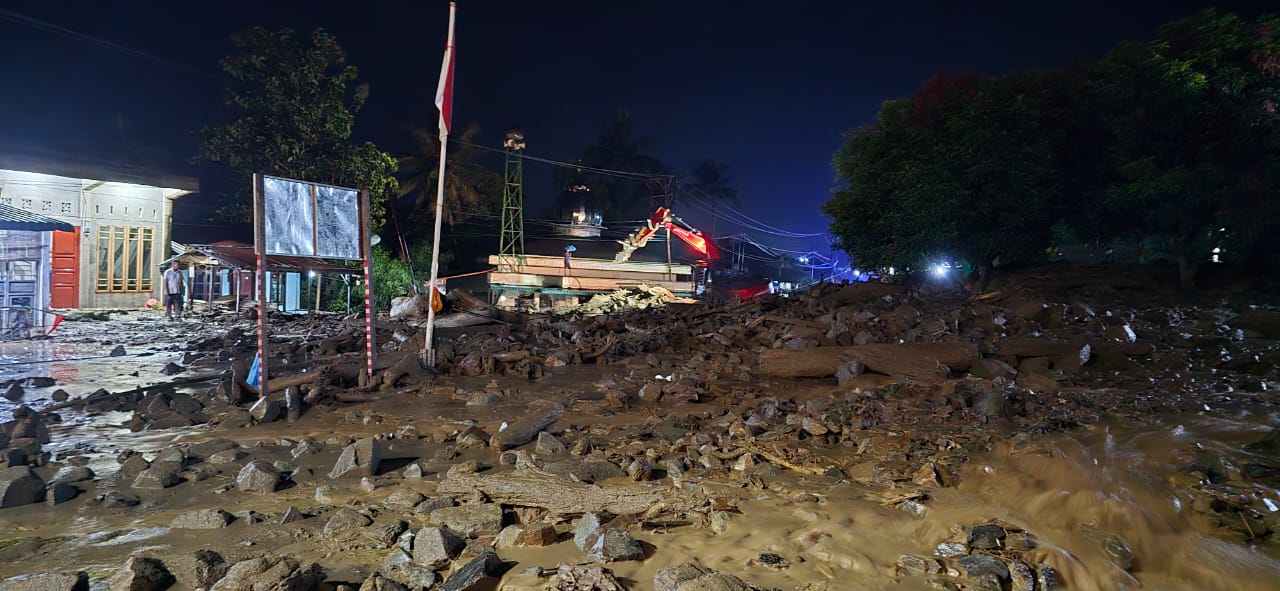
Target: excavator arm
{"x": 662, "y": 218}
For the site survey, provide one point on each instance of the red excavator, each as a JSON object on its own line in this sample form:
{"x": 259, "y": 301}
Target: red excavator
{"x": 663, "y": 218}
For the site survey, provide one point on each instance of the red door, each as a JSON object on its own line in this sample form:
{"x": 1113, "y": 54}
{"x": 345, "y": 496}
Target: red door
{"x": 65, "y": 287}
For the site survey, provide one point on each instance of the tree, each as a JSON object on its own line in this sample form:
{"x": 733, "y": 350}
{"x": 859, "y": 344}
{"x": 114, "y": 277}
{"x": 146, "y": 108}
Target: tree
{"x": 469, "y": 188}
{"x": 1192, "y": 127}
{"x": 618, "y": 149}
{"x": 294, "y": 111}
{"x": 964, "y": 171}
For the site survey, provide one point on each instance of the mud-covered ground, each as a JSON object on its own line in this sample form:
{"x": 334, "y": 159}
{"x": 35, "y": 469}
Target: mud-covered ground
{"x": 1088, "y": 431}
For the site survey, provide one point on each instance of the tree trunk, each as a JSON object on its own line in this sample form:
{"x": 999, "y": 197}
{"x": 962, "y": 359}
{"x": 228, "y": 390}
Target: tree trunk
{"x": 1188, "y": 263}
{"x": 922, "y": 362}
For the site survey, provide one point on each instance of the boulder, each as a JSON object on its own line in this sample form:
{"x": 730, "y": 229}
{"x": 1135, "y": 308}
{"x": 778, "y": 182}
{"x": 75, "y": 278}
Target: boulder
{"x": 345, "y": 519}
{"x": 60, "y": 581}
{"x": 434, "y": 547}
{"x": 479, "y": 572}
{"x": 141, "y": 574}
{"x": 470, "y": 520}
{"x": 410, "y": 307}
{"x": 377, "y": 582}
{"x": 159, "y": 475}
{"x": 695, "y": 577}
{"x": 257, "y": 477}
{"x": 265, "y": 410}
{"x": 548, "y": 444}
{"x": 536, "y": 535}
{"x": 270, "y": 574}
{"x": 291, "y": 515}
{"x": 197, "y": 570}
{"x": 202, "y": 519}
{"x": 588, "y": 529}
{"x": 400, "y": 567}
{"x": 116, "y": 500}
{"x": 20, "y": 486}
{"x": 61, "y": 492}
{"x": 15, "y": 393}
{"x": 615, "y": 545}
{"x": 226, "y": 456}
{"x": 71, "y": 474}
{"x": 987, "y": 537}
{"x": 976, "y": 566}
{"x": 361, "y": 458}
{"x": 405, "y": 498}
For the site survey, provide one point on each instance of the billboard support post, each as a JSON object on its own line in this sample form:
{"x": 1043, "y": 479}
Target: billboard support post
{"x": 260, "y": 252}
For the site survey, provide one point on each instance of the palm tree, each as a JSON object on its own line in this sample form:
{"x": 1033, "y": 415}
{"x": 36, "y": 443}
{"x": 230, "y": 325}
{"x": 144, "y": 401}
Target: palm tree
{"x": 713, "y": 180}
{"x": 618, "y": 149}
{"x": 469, "y": 188}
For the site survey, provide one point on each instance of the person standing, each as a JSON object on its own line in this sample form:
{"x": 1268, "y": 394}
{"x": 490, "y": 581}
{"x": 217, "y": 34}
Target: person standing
{"x": 568, "y": 258}
{"x": 175, "y": 287}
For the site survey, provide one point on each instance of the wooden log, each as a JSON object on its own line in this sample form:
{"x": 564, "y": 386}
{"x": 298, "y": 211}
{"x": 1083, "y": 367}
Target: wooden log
{"x": 922, "y": 362}
{"x": 539, "y": 417}
{"x": 534, "y": 488}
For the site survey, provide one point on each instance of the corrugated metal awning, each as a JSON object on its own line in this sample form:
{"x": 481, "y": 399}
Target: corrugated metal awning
{"x": 12, "y": 218}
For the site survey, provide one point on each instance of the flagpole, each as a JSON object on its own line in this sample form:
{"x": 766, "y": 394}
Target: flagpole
{"x": 443, "y": 102}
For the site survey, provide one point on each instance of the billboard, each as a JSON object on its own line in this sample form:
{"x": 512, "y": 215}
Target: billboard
{"x": 310, "y": 220}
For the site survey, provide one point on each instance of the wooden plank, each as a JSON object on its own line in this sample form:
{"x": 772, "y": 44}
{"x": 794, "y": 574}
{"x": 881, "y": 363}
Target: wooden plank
{"x": 922, "y": 362}
{"x": 544, "y": 262}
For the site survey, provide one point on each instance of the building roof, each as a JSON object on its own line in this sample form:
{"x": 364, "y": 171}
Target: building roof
{"x": 76, "y": 168}
{"x": 12, "y": 218}
{"x": 238, "y": 255}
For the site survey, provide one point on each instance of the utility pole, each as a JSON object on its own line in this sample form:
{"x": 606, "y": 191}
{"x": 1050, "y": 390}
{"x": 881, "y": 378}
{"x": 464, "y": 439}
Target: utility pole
{"x": 511, "y": 241}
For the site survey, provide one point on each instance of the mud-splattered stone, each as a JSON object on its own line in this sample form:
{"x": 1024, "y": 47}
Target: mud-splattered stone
{"x": 615, "y": 545}
{"x": 377, "y": 582}
{"x": 257, "y": 477}
{"x": 197, "y": 570}
{"x": 470, "y": 520}
{"x": 1022, "y": 578}
{"x": 227, "y": 456}
{"x": 269, "y": 573}
{"x": 141, "y": 574}
{"x": 64, "y": 581}
{"x": 987, "y": 537}
{"x": 70, "y": 474}
{"x": 695, "y": 577}
{"x": 20, "y": 486}
{"x": 587, "y": 530}
{"x": 915, "y": 565}
{"x": 116, "y": 500}
{"x": 405, "y": 498}
{"x": 291, "y": 515}
{"x": 481, "y": 570}
{"x": 950, "y": 550}
{"x": 719, "y": 521}
{"x": 400, "y": 567}
{"x": 548, "y": 444}
{"x": 360, "y": 458}
{"x": 345, "y": 519}
{"x": 60, "y": 492}
{"x": 202, "y": 519}
{"x": 434, "y": 547}
{"x": 977, "y": 565}
{"x": 159, "y": 475}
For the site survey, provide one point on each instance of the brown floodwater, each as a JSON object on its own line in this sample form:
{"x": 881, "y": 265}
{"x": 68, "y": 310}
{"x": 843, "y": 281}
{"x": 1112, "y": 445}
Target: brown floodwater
{"x": 1141, "y": 482}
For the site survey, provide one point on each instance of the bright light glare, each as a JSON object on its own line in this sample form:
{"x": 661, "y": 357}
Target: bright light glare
{"x": 939, "y": 271}
{"x": 312, "y": 274}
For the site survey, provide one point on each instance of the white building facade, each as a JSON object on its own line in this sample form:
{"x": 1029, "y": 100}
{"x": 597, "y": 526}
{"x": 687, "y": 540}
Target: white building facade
{"x": 122, "y": 221}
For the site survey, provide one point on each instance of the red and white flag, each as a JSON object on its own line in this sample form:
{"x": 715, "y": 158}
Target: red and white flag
{"x": 444, "y": 92}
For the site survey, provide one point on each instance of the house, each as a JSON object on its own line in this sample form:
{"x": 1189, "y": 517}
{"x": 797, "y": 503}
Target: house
{"x": 226, "y": 270}
{"x": 120, "y": 220}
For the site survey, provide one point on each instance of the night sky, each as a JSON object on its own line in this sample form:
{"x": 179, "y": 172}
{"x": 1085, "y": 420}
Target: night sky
{"x": 765, "y": 87}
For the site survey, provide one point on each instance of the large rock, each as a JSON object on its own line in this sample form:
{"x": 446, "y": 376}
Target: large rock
{"x": 70, "y": 474}
{"x": 695, "y": 577}
{"x": 470, "y": 520}
{"x": 345, "y": 519}
{"x": 434, "y": 547}
{"x": 405, "y": 498}
{"x": 159, "y": 475}
{"x": 64, "y": 581}
{"x": 270, "y": 574}
{"x": 481, "y": 570}
{"x": 258, "y": 477}
{"x": 361, "y": 458}
{"x": 588, "y": 529}
{"x": 400, "y": 567}
{"x": 410, "y": 307}
{"x": 141, "y": 574}
{"x": 978, "y": 565}
{"x": 197, "y": 570}
{"x": 377, "y": 582}
{"x": 202, "y": 519}
{"x": 615, "y": 545}
{"x": 20, "y": 486}
{"x": 265, "y": 410}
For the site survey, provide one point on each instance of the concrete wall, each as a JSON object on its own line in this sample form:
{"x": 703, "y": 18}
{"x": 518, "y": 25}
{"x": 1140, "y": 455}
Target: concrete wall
{"x": 92, "y": 205}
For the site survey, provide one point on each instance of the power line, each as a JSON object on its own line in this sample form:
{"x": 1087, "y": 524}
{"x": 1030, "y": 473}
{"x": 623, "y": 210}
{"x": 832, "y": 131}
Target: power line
{"x": 60, "y": 30}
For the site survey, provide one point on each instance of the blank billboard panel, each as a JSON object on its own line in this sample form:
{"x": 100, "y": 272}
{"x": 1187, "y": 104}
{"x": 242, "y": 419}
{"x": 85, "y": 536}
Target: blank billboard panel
{"x": 310, "y": 220}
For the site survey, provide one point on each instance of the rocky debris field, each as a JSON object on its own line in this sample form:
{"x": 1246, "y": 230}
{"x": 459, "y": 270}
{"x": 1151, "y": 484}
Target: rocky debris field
{"x": 758, "y": 445}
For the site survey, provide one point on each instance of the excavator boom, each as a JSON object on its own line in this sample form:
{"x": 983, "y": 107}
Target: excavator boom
{"x": 662, "y": 218}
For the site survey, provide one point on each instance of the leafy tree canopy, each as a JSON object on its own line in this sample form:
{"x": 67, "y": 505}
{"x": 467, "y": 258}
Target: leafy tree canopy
{"x": 294, "y": 104}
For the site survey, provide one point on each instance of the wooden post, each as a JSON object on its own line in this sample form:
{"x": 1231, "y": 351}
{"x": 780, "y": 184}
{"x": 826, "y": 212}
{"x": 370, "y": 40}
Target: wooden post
{"x": 260, "y": 250}
{"x": 366, "y": 250}
{"x": 319, "y": 282}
